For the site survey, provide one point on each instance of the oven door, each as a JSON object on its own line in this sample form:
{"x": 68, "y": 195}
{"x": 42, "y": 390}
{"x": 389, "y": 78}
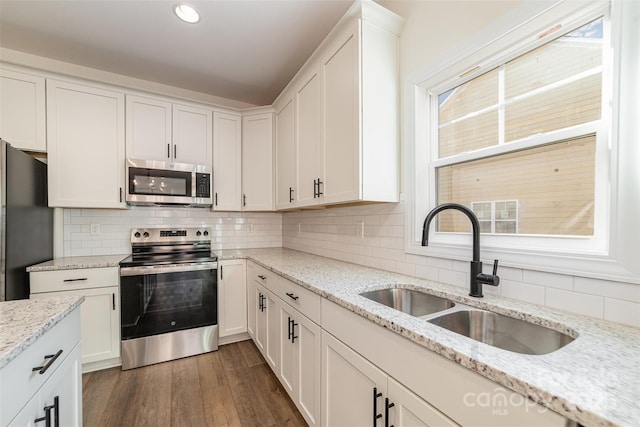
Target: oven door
{"x": 160, "y": 299}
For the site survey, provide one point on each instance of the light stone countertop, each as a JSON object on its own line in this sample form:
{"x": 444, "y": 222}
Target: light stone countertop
{"x": 78, "y": 262}
{"x": 594, "y": 380}
{"x": 22, "y": 322}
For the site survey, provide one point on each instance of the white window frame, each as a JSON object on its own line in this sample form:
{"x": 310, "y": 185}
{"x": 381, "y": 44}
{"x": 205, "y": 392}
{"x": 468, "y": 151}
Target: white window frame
{"x": 612, "y": 252}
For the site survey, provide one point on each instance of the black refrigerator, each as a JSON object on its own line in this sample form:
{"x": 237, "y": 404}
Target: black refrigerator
{"x": 26, "y": 220}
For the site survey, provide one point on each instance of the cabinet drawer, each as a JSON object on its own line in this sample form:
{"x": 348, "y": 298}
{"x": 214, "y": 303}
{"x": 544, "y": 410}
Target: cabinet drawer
{"x": 305, "y": 301}
{"x": 68, "y": 280}
{"x": 19, "y": 382}
{"x": 266, "y": 278}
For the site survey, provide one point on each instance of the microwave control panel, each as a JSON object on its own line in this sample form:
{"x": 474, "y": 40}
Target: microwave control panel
{"x": 203, "y": 185}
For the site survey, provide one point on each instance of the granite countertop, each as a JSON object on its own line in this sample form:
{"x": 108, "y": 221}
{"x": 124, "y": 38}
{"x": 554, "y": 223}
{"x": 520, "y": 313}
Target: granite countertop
{"x": 78, "y": 262}
{"x": 594, "y": 380}
{"x": 22, "y": 322}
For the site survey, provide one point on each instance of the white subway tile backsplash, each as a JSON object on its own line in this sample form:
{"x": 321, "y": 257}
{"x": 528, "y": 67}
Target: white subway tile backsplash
{"x": 622, "y": 311}
{"x": 383, "y": 247}
{"x": 549, "y": 280}
{"x": 618, "y": 290}
{"x": 233, "y": 230}
{"x": 589, "y": 305}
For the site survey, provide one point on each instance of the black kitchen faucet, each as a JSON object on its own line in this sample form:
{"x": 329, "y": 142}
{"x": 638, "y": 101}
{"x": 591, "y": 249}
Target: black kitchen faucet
{"x": 477, "y": 277}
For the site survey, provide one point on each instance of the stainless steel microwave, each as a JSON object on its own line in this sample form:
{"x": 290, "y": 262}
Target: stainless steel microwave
{"x": 153, "y": 183}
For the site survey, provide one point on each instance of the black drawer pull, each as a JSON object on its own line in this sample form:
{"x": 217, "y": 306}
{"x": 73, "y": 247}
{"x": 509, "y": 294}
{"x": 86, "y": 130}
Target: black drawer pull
{"x": 52, "y": 358}
{"x": 293, "y": 331}
{"x": 76, "y": 280}
{"x": 292, "y": 296}
{"x": 262, "y": 277}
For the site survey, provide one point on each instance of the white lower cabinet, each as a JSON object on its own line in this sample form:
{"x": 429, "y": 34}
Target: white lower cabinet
{"x": 267, "y": 326}
{"x": 100, "y": 312}
{"x": 356, "y": 392}
{"x": 300, "y": 362}
{"x": 59, "y": 400}
{"x": 252, "y": 301}
{"x": 53, "y": 391}
{"x": 232, "y": 298}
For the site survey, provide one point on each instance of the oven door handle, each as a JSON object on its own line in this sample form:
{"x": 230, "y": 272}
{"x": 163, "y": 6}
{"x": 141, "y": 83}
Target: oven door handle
{"x": 172, "y": 268}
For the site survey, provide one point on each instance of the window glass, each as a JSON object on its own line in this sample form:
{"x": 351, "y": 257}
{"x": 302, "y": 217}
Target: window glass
{"x": 554, "y": 186}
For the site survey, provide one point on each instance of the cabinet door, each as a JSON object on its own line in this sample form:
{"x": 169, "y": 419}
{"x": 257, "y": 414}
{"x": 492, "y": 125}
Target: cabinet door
{"x": 308, "y": 139}
{"x": 192, "y": 135}
{"x": 257, "y": 163}
{"x": 85, "y": 131}
{"x": 288, "y": 372}
{"x": 22, "y": 110}
{"x": 272, "y": 350}
{"x": 66, "y": 385}
{"x": 309, "y": 368}
{"x": 261, "y": 320}
{"x": 99, "y": 321}
{"x": 350, "y": 386}
{"x": 285, "y": 156}
{"x": 252, "y": 302}
{"x": 341, "y": 113}
{"x": 148, "y": 129}
{"x": 232, "y": 297}
{"x": 227, "y": 162}
{"x": 409, "y": 410}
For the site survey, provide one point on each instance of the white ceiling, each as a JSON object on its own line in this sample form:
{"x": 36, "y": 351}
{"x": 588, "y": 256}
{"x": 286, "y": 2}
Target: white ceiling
{"x": 245, "y": 50}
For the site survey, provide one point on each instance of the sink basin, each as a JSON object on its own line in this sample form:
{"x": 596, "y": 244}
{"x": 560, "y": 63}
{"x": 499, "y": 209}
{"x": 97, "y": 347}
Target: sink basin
{"x": 409, "y": 301}
{"x": 503, "y": 332}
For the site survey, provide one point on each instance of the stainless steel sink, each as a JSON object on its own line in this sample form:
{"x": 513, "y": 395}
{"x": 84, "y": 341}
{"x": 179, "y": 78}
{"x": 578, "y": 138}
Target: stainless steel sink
{"x": 503, "y": 332}
{"x": 409, "y": 301}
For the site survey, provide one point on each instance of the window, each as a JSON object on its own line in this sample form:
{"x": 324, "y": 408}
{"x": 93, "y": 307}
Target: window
{"x": 534, "y": 134}
{"x": 496, "y": 217}
{"x": 540, "y": 112}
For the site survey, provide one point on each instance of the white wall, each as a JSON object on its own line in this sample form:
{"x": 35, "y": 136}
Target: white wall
{"x": 230, "y": 230}
{"x": 373, "y": 235}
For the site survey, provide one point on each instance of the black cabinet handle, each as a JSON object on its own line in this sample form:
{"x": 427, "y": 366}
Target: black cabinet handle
{"x": 320, "y": 193}
{"x": 113, "y": 301}
{"x": 46, "y": 418}
{"x": 293, "y": 331}
{"x": 56, "y": 411}
{"x": 221, "y": 273}
{"x": 289, "y": 334}
{"x": 168, "y": 151}
{"x": 376, "y": 415}
{"x": 290, "y": 195}
{"x": 292, "y": 296}
{"x": 244, "y": 200}
{"x": 216, "y": 197}
{"x": 315, "y": 191}
{"x": 262, "y": 277}
{"x": 387, "y": 405}
{"x": 75, "y": 280}
{"x": 120, "y": 194}
{"x": 52, "y": 358}
{"x": 175, "y": 151}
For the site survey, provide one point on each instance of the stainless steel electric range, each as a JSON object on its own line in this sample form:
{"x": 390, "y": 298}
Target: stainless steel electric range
{"x": 168, "y": 296}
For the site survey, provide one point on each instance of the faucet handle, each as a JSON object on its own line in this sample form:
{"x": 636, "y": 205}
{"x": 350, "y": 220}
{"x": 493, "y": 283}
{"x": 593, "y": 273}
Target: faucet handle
{"x": 495, "y": 267}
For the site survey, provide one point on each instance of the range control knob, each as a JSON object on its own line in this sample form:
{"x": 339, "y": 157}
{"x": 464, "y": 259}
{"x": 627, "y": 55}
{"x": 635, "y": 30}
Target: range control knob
{"x": 146, "y": 234}
{"x": 137, "y": 235}
{"x": 206, "y": 233}
{"x": 198, "y": 233}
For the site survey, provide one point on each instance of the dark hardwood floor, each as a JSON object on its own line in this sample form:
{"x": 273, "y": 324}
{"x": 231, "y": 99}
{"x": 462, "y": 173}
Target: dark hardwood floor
{"x": 230, "y": 387}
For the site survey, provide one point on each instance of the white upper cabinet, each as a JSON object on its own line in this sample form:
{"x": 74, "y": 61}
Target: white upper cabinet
{"x": 86, "y": 138}
{"x": 309, "y": 153}
{"x": 285, "y": 154}
{"x": 346, "y": 103}
{"x": 160, "y": 130}
{"x": 257, "y": 163}
{"x": 227, "y": 162}
{"x": 22, "y": 110}
{"x": 192, "y": 140}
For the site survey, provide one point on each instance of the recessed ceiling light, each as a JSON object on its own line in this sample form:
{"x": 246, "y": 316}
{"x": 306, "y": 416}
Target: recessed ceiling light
{"x": 187, "y": 13}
